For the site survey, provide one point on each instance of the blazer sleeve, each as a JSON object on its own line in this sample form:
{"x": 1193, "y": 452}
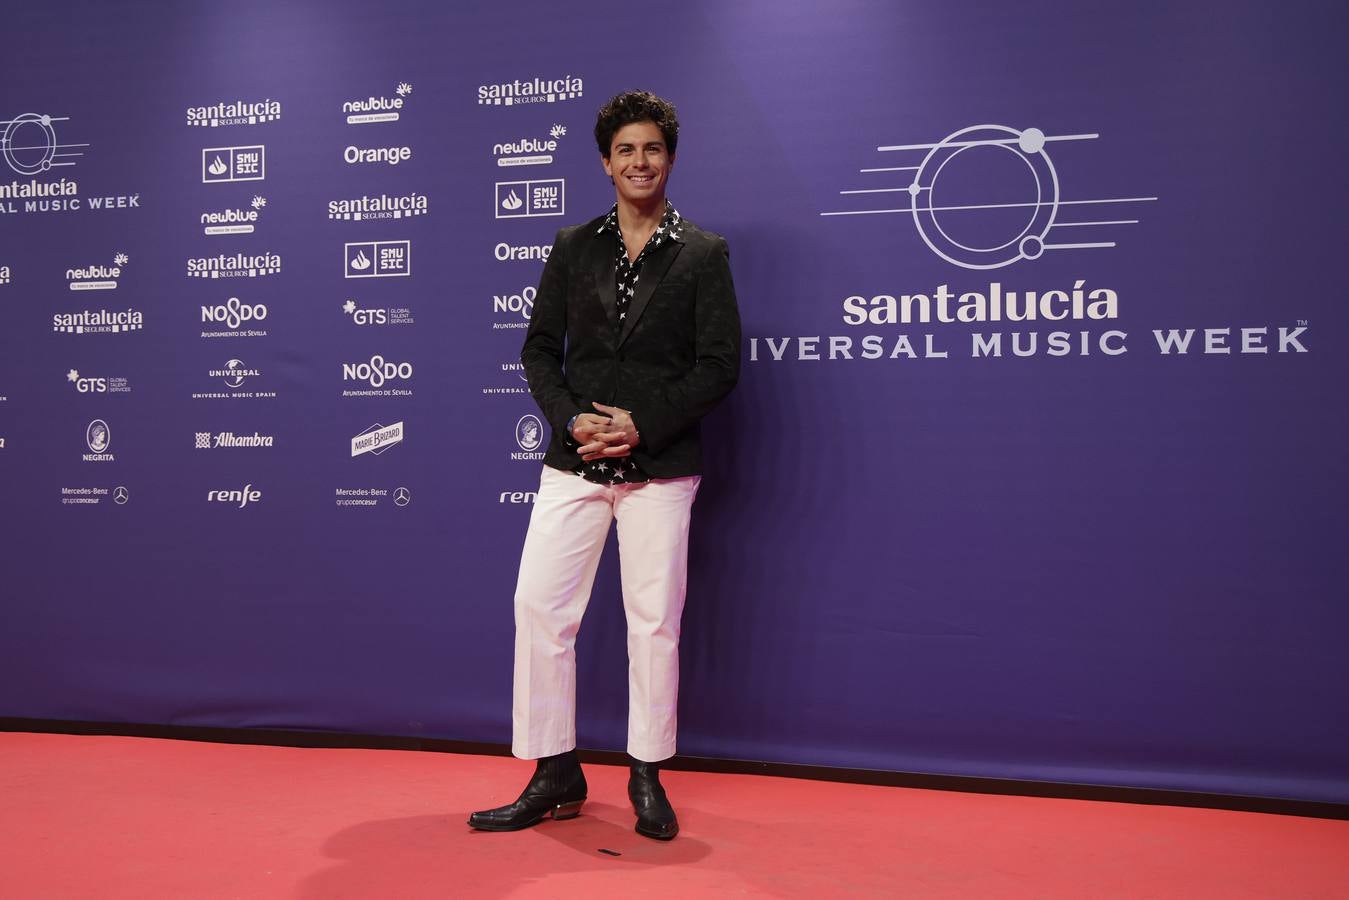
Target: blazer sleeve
{"x": 546, "y": 340}
{"x": 717, "y": 363}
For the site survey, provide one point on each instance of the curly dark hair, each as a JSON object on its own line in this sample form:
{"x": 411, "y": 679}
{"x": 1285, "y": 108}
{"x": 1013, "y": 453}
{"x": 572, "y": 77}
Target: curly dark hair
{"x": 636, "y": 106}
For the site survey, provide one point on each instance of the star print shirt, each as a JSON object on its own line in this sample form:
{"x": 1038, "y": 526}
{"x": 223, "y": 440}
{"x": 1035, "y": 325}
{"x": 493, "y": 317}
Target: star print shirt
{"x": 625, "y": 470}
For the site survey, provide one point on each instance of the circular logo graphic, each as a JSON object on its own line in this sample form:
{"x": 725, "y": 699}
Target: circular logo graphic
{"x": 402, "y": 497}
{"x": 986, "y": 196}
{"x": 120, "y": 495}
{"x": 236, "y": 379}
{"x": 29, "y": 144}
{"x": 97, "y": 436}
{"x": 529, "y": 433}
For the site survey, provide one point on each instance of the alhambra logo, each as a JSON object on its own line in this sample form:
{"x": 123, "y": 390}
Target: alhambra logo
{"x": 235, "y": 112}
{"x": 234, "y": 220}
{"x": 383, "y": 206}
{"x": 238, "y": 265}
{"x": 375, "y": 110}
{"x": 97, "y": 277}
{"x": 988, "y": 196}
{"x": 206, "y": 440}
{"x": 533, "y": 90}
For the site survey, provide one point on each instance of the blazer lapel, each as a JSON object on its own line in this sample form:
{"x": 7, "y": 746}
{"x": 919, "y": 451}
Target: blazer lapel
{"x": 653, "y": 270}
{"x": 600, "y": 261}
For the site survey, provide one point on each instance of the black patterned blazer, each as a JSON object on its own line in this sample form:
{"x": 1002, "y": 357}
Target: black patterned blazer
{"x": 676, "y": 357}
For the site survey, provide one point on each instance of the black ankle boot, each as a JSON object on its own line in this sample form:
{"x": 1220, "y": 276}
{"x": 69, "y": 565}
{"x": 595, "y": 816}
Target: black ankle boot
{"x": 655, "y": 816}
{"x": 557, "y": 788}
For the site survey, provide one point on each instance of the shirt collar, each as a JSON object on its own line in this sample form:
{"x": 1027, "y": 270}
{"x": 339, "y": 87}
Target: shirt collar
{"x": 669, "y": 227}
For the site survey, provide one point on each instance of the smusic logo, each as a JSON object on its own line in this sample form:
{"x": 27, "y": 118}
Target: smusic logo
{"x": 374, "y": 110}
{"x": 378, "y": 259}
{"x": 221, "y": 164}
{"x": 238, "y": 112}
{"x": 528, "y": 199}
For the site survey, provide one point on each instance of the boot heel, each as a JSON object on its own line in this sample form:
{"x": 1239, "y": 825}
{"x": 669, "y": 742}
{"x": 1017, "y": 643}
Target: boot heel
{"x": 568, "y": 810}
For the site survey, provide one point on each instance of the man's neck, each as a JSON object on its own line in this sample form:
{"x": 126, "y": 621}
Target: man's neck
{"x": 646, "y": 217}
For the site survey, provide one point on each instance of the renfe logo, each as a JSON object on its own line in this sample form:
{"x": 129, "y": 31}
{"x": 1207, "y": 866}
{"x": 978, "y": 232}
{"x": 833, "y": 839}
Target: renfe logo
{"x": 243, "y": 498}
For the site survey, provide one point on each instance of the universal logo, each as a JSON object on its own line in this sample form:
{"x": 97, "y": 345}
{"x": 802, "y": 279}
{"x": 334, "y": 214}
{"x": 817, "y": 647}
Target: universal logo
{"x": 518, "y": 385}
{"x": 234, "y": 221}
{"x": 98, "y": 438}
{"x": 396, "y": 316}
{"x": 521, "y": 304}
{"x": 529, "y": 199}
{"x": 237, "y": 112}
{"x": 240, "y": 265}
{"x": 376, "y": 439}
{"x": 366, "y": 207}
{"x": 535, "y": 90}
{"x": 97, "y": 278}
{"x": 529, "y": 438}
{"x": 377, "y": 373}
{"x": 205, "y": 440}
{"x": 97, "y": 385}
{"x": 248, "y": 495}
{"x": 373, "y": 110}
{"x": 378, "y": 259}
{"x": 235, "y": 375}
{"x": 529, "y": 151}
{"x": 221, "y": 164}
{"x": 98, "y": 321}
{"x": 949, "y": 196}
{"x": 233, "y": 314}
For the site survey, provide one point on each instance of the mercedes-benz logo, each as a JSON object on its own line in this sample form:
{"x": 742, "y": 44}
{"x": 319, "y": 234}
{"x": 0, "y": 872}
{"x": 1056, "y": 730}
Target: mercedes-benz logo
{"x": 402, "y": 497}
{"x": 120, "y": 495}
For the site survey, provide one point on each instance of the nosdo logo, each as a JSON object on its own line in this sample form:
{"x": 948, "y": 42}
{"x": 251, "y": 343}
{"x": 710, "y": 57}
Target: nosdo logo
{"x": 98, "y": 385}
{"x": 372, "y": 110}
{"x": 529, "y": 151}
{"x": 503, "y": 251}
{"x": 521, "y": 304}
{"x": 248, "y": 495}
{"x": 98, "y": 438}
{"x": 205, "y": 440}
{"x": 392, "y": 156}
{"x": 221, "y": 164}
{"x": 988, "y": 196}
{"x": 97, "y": 278}
{"x": 366, "y": 207}
{"x": 534, "y": 90}
{"x": 98, "y": 321}
{"x": 377, "y": 371}
{"x": 395, "y": 316}
{"x": 240, "y": 265}
{"x": 234, "y": 221}
{"x": 376, "y": 439}
{"x": 236, "y": 112}
{"x": 233, "y": 313}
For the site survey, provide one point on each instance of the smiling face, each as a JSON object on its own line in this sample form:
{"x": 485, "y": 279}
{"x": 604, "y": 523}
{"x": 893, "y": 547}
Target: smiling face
{"x": 639, "y": 163}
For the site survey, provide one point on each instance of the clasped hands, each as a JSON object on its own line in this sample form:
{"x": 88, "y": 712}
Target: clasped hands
{"x": 610, "y": 435}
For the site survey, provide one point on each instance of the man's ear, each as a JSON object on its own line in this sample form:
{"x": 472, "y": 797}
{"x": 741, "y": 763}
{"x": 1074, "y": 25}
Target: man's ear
{"x": 604, "y": 161}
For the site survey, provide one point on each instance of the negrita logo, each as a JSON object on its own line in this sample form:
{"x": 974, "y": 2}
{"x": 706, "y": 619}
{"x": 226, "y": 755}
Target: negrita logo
{"x": 98, "y": 438}
{"x": 98, "y": 277}
{"x": 374, "y": 110}
{"x": 234, "y": 221}
{"x": 533, "y": 90}
{"x": 236, "y": 112}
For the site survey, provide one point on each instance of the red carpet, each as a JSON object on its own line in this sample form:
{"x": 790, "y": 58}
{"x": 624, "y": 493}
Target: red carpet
{"x": 111, "y": 817}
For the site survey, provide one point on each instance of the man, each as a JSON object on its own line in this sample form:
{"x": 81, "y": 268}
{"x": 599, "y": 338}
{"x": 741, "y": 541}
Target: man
{"x": 634, "y": 337}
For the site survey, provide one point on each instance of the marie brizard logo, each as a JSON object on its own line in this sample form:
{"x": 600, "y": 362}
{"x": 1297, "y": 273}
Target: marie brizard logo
{"x": 376, "y": 439}
{"x": 987, "y": 196}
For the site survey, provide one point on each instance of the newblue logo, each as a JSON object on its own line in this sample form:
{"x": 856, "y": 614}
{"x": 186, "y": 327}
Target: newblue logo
{"x": 221, "y": 164}
{"x": 529, "y": 151}
{"x": 234, "y": 221}
{"x": 373, "y": 110}
{"x": 97, "y": 277}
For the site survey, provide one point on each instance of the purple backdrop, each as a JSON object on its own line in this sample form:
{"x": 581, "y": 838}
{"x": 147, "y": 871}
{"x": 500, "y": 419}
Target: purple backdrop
{"x": 916, "y": 548}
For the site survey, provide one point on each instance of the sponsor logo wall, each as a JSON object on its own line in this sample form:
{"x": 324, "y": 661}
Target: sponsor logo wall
{"x": 1075, "y": 347}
